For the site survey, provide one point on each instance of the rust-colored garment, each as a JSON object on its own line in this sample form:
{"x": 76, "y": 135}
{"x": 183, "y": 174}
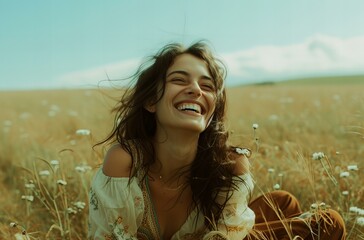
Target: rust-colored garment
{"x": 287, "y": 222}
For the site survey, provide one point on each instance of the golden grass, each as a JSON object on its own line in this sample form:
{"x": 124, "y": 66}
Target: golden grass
{"x": 294, "y": 122}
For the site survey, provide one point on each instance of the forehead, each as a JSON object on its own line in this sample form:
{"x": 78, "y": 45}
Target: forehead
{"x": 189, "y": 63}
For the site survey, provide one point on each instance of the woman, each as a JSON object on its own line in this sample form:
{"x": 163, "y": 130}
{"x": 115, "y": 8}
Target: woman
{"x": 172, "y": 173}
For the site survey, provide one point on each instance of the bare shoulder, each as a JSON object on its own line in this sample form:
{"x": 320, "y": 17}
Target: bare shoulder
{"x": 117, "y": 162}
{"x": 241, "y": 162}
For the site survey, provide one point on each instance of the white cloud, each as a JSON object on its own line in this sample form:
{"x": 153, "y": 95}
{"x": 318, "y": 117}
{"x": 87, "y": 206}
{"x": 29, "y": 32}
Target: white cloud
{"x": 96, "y": 76}
{"x": 317, "y": 56}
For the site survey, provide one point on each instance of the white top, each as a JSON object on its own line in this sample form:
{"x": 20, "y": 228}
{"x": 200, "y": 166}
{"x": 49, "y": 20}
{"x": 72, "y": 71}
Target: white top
{"x": 125, "y": 212}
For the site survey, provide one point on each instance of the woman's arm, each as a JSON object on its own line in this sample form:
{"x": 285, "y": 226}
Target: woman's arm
{"x": 116, "y": 205}
{"x": 237, "y": 218}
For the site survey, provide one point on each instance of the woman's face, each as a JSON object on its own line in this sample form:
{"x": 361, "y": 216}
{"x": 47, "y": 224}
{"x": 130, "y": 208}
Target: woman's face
{"x": 189, "y": 97}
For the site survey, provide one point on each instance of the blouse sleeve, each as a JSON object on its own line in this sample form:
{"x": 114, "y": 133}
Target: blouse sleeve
{"x": 116, "y": 208}
{"x": 237, "y": 218}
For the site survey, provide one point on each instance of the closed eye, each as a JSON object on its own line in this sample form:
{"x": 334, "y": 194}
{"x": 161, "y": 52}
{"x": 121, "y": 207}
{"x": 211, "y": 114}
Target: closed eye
{"x": 178, "y": 80}
{"x": 208, "y": 87}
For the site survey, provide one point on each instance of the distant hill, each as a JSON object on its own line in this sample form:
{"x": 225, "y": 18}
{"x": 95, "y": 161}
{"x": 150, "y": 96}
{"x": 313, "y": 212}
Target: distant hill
{"x": 359, "y": 79}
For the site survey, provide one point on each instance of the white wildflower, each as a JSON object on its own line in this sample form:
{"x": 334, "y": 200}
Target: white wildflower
{"x": 344, "y": 174}
{"x": 7, "y": 123}
{"x": 20, "y": 236}
{"x": 29, "y": 186}
{"x": 62, "y": 182}
{"x": 318, "y": 155}
{"x": 54, "y": 163}
{"x": 82, "y": 169}
{"x": 79, "y": 205}
{"x": 353, "y": 209}
{"x": 271, "y": 170}
{"x": 24, "y": 115}
{"x": 255, "y": 126}
{"x": 356, "y": 210}
{"x": 280, "y": 175}
{"x": 52, "y": 113}
{"x": 345, "y": 193}
{"x": 13, "y": 224}
{"x": 273, "y": 117}
{"x": 314, "y": 206}
{"x": 322, "y": 205}
{"x": 71, "y": 210}
{"x": 353, "y": 168}
{"x": 55, "y": 108}
{"x": 83, "y": 132}
{"x": 360, "y": 221}
{"x": 336, "y": 97}
{"x": 243, "y": 151}
{"x": 44, "y": 173}
{"x": 29, "y": 198}
{"x": 276, "y": 186}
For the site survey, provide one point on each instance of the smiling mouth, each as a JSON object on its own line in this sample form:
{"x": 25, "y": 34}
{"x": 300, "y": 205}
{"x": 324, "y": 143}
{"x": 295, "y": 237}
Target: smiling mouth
{"x": 191, "y": 107}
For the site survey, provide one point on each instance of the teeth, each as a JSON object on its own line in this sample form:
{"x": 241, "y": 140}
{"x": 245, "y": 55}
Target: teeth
{"x": 189, "y": 106}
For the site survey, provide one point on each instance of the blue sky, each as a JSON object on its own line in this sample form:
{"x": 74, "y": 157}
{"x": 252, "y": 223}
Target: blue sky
{"x": 52, "y": 44}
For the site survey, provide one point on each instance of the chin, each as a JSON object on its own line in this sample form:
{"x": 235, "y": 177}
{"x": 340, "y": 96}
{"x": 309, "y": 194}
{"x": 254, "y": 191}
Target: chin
{"x": 195, "y": 128}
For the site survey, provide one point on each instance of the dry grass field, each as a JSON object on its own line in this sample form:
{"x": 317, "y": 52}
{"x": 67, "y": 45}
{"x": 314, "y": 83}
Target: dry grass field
{"x": 47, "y": 161}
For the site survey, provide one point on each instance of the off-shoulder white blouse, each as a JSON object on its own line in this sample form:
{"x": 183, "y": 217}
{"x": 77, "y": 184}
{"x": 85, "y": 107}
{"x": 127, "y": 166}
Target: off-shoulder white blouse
{"x": 125, "y": 212}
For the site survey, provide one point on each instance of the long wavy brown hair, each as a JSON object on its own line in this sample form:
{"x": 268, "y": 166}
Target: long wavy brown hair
{"x": 211, "y": 173}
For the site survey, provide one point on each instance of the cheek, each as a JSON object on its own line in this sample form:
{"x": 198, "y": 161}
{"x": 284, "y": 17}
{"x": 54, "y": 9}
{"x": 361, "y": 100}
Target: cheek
{"x": 211, "y": 100}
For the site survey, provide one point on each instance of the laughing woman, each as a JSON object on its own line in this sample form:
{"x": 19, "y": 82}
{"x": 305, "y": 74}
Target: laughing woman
{"x": 170, "y": 172}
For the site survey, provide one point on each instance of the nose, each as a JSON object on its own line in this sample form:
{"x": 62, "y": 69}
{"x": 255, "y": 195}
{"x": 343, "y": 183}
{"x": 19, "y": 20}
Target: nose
{"x": 194, "y": 89}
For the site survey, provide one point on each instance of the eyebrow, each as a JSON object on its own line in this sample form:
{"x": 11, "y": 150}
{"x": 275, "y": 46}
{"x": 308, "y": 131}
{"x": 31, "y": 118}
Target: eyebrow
{"x": 187, "y": 74}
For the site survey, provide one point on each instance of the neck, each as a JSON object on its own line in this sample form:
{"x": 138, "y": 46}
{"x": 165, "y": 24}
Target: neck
{"x": 174, "y": 152}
